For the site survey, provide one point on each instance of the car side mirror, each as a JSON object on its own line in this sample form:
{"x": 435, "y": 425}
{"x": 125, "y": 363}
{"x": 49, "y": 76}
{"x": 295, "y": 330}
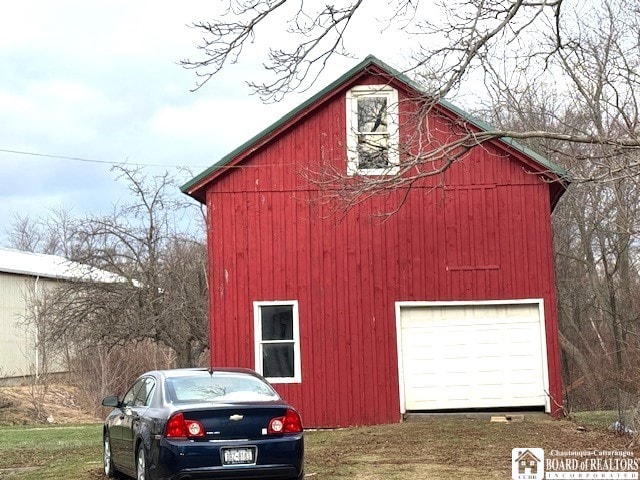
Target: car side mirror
{"x": 111, "y": 401}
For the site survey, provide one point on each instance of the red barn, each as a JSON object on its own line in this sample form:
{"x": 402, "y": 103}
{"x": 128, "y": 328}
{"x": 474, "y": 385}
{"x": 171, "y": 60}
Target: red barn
{"x": 448, "y": 304}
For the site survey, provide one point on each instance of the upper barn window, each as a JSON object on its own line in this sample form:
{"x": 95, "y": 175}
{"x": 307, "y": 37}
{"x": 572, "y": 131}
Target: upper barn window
{"x": 372, "y": 130}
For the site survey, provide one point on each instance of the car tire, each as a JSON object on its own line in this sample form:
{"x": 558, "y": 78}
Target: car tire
{"x": 142, "y": 467}
{"x": 107, "y": 459}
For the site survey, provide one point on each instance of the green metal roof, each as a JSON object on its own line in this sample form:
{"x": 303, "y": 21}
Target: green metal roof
{"x": 368, "y": 61}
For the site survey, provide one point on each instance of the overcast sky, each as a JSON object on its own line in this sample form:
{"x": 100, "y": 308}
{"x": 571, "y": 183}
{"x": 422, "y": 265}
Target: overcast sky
{"x": 99, "y": 80}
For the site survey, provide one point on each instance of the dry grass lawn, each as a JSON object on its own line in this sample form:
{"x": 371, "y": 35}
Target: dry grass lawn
{"x": 443, "y": 448}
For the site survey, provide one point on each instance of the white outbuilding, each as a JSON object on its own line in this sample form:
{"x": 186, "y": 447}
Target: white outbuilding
{"x": 23, "y": 275}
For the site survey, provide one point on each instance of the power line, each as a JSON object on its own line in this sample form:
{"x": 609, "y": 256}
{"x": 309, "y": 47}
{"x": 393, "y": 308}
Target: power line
{"x": 136, "y": 164}
{"x": 93, "y": 160}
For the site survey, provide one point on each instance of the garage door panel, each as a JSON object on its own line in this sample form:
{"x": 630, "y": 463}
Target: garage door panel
{"x": 472, "y": 356}
{"x": 491, "y": 392}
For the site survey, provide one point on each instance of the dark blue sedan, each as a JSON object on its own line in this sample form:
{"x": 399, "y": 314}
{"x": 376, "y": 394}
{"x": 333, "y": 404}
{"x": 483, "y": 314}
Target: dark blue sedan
{"x": 190, "y": 424}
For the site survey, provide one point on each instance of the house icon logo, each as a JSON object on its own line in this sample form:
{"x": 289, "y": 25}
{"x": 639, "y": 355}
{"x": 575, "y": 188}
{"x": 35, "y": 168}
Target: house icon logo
{"x": 527, "y": 464}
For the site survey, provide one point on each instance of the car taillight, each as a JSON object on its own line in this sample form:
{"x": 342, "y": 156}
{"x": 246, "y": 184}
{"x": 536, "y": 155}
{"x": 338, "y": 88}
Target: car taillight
{"x": 178, "y": 427}
{"x": 290, "y": 423}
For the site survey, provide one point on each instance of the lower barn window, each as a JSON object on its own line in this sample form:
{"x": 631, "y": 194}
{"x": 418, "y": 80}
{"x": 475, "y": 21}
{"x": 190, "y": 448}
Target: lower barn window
{"x": 277, "y": 341}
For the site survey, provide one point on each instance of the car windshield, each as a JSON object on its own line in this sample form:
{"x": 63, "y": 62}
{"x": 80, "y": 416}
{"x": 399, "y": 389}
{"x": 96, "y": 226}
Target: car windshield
{"x": 221, "y": 387}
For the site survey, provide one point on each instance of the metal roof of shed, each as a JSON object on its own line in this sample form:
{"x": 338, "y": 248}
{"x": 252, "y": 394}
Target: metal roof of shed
{"x": 52, "y": 266}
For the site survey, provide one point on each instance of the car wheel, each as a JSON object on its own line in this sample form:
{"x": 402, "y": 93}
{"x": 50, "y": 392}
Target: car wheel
{"x": 141, "y": 464}
{"x": 109, "y": 470}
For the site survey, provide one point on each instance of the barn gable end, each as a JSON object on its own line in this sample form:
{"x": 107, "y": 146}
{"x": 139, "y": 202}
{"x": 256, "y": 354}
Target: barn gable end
{"x": 327, "y": 305}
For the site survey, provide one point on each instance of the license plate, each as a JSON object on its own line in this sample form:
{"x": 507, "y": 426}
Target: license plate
{"x": 239, "y": 456}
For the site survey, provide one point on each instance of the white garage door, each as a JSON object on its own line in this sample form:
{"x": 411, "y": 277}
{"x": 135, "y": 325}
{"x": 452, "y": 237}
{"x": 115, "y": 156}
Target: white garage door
{"x": 472, "y": 356}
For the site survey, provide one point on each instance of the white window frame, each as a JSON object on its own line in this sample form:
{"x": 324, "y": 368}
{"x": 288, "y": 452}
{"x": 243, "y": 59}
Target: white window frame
{"x": 353, "y": 162}
{"x": 259, "y": 342}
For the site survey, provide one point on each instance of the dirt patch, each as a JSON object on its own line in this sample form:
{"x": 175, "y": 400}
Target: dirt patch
{"x": 57, "y": 404}
{"x": 8, "y": 472}
{"x": 445, "y": 449}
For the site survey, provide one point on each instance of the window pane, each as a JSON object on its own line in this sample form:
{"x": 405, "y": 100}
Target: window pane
{"x": 143, "y": 396}
{"x": 373, "y": 151}
{"x": 221, "y": 387}
{"x": 372, "y": 114}
{"x": 277, "y": 322}
{"x": 131, "y": 394}
{"x": 277, "y": 360}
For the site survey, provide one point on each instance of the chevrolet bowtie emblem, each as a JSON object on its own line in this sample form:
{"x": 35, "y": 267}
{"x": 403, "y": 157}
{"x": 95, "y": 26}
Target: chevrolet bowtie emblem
{"x": 236, "y": 418}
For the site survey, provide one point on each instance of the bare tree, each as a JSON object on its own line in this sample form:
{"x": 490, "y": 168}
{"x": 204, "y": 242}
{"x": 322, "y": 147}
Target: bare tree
{"x": 51, "y": 233}
{"x": 156, "y": 285}
{"x": 597, "y": 270}
{"x": 587, "y": 54}
{"x": 596, "y": 224}
{"x": 40, "y": 354}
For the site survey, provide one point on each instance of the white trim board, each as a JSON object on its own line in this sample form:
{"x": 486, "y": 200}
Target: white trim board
{"x": 258, "y": 341}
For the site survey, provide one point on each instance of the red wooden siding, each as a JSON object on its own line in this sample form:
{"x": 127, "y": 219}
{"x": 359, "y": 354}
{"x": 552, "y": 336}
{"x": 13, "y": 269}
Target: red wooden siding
{"x": 481, "y": 231}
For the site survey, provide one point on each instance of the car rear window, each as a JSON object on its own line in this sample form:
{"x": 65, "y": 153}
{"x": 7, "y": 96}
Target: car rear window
{"x": 221, "y": 387}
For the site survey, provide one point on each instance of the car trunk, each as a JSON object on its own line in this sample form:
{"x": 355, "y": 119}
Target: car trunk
{"x": 235, "y": 422}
